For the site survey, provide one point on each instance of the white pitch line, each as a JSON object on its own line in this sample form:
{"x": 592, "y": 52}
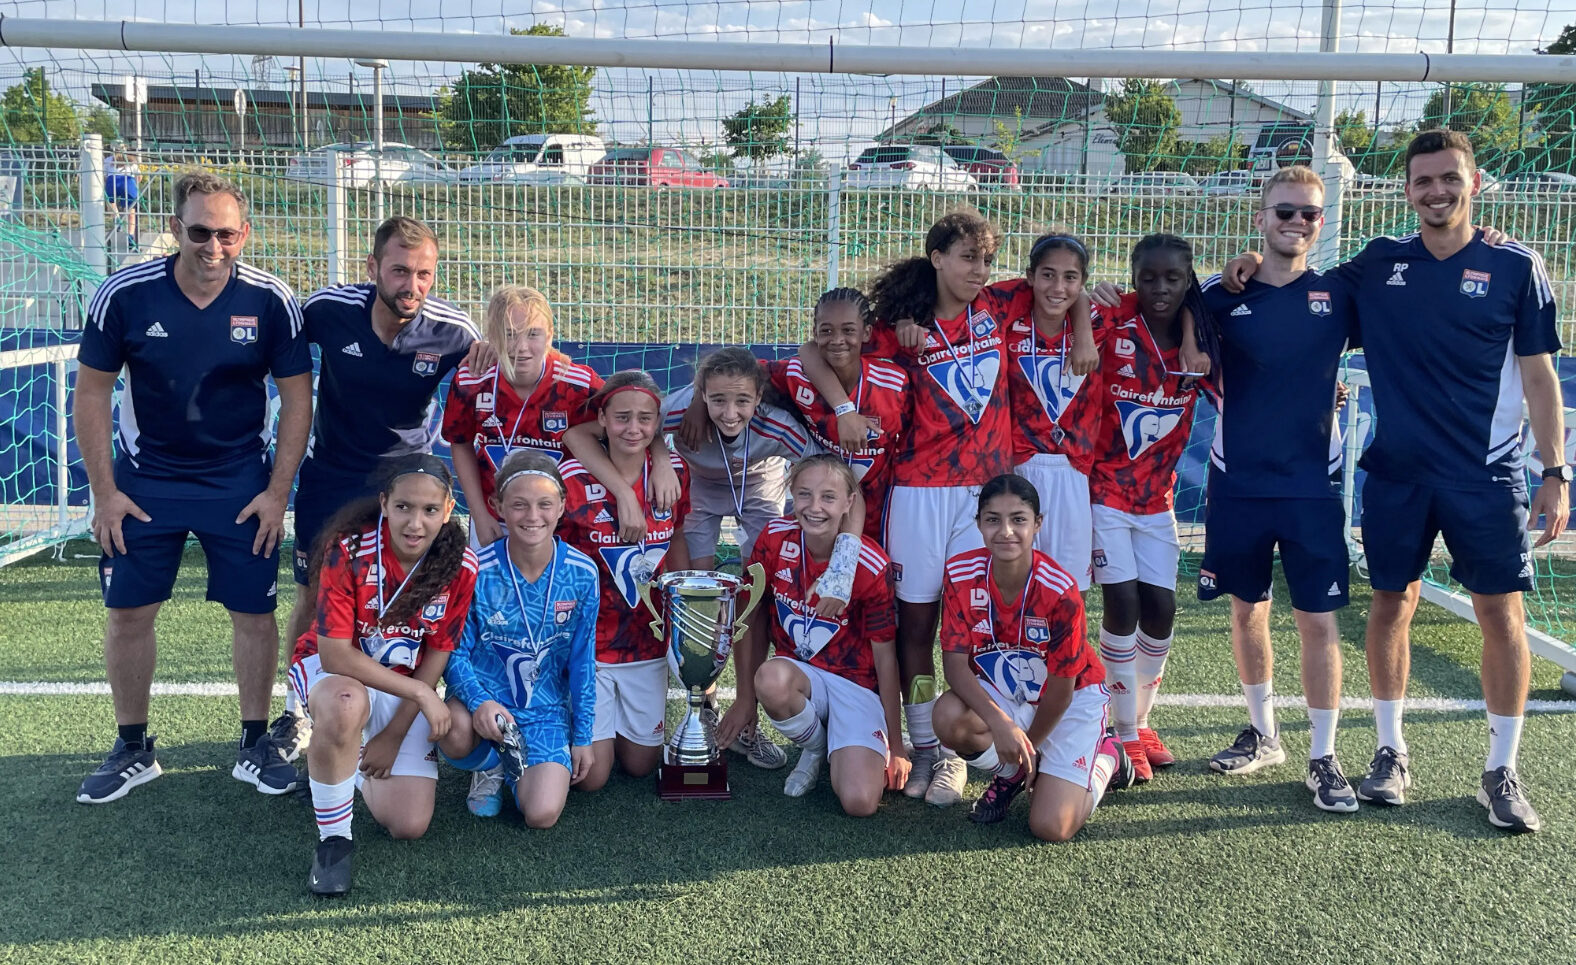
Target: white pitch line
{"x": 1416, "y": 704}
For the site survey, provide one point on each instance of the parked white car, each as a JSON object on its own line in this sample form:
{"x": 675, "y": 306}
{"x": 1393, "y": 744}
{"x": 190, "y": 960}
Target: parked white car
{"x": 1230, "y": 183}
{"x": 917, "y": 167}
{"x": 360, "y": 165}
{"x": 538, "y": 159}
{"x": 1155, "y": 184}
{"x": 1538, "y": 182}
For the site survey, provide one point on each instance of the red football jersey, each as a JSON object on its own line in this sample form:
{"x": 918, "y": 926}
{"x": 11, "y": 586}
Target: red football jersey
{"x": 841, "y": 646}
{"x": 881, "y": 397}
{"x": 957, "y": 432}
{"x": 1147, "y": 418}
{"x": 1017, "y": 644}
{"x": 486, "y": 413}
{"x": 590, "y": 524}
{"x": 347, "y": 604}
{"x": 1053, "y": 410}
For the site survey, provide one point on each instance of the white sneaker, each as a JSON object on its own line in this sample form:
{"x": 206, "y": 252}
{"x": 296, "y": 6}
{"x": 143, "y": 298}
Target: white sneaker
{"x": 485, "y": 799}
{"x": 924, "y": 761}
{"x": 948, "y": 777}
{"x": 806, "y": 773}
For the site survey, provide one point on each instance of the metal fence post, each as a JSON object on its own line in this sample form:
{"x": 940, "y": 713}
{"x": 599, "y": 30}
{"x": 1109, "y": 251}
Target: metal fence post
{"x": 834, "y": 222}
{"x": 90, "y": 198}
{"x": 335, "y": 197}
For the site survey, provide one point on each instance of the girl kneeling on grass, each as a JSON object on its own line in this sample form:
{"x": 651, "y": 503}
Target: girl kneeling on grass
{"x": 393, "y": 584}
{"x": 1026, "y": 698}
{"x": 522, "y": 683}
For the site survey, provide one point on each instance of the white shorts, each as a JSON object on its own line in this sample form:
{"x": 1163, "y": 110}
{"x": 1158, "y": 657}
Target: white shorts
{"x": 853, "y": 716}
{"x": 710, "y": 501}
{"x": 1129, "y": 547}
{"x": 1067, "y": 535}
{"x": 1069, "y": 752}
{"x": 631, "y": 701}
{"x": 417, "y": 756}
{"x": 925, "y": 527}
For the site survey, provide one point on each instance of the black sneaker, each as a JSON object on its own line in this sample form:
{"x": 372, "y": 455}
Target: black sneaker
{"x": 993, "y": 804}
{"x": 1388, "y": 778}
{"x": 1331, "y": 790}
{"x": 122, "y": 770}
{"x": 291, "y": 733}
{"x": 331, "y": 867}
{"x": 1248, "y": 753}
{"x": 1507, "y": 802}
{"x": 1124, "y": 774}
{"x": 511, "y": 750}
{"x": 264, "y": 767}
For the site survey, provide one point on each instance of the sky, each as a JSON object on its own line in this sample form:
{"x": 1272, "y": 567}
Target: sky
{"x": 836, "y": 110}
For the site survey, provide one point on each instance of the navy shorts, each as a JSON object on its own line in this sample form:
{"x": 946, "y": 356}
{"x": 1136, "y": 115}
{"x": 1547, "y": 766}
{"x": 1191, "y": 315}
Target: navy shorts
{"x": 1485, "y": 531}
{"x": 320, "y": 493}
{"x": 1240, "y": 537}
{"x": 237, "y": 579}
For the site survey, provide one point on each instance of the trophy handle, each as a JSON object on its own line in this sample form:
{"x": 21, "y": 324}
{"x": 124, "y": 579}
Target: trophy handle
{"x": 643, "y": 589}
{"x": 758, "y": 574}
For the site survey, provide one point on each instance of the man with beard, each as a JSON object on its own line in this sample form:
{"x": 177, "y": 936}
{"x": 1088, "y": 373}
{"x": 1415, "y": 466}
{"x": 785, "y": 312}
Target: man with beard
{"x": 384, "y": 346}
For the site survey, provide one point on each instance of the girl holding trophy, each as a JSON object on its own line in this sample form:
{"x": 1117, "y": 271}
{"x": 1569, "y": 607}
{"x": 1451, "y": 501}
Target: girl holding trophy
{"x": 523, "y": 678}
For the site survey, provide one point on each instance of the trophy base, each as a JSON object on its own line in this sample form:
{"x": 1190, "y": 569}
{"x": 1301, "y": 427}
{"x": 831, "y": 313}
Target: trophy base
{"x": 693, "y": 782}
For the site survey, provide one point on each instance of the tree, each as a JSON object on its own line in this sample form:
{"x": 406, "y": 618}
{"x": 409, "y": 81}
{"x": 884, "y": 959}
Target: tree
{"x": 101, "y": 121}
{"x": 494, "y": 102}
{"x": 760, "y": 130}
{"x": 1352, "y": 133}
{"x": 1220, "y": 153}
{"x": 1482, "y": 112}
{"x": 1009, "y": 140}
{"x": 32, "y": 113}
{"x": 715, "y": 160}
{"x": 1146, "y": 121}
{"x": 1553, "y": 108}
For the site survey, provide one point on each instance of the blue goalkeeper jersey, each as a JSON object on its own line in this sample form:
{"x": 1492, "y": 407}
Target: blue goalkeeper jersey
{"x": 531, "y": 646}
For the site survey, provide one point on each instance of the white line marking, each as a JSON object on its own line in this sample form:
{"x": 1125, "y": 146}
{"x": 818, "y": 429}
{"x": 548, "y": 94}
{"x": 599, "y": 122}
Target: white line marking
{"x": 1413, "y": 704}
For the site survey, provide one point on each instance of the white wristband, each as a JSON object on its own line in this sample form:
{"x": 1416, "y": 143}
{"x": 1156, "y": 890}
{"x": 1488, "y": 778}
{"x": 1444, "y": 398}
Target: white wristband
{"x": 844, "y": 409}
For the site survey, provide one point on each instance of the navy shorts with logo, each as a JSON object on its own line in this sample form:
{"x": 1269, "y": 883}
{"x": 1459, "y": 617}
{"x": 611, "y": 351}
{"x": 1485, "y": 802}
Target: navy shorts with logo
{"x": 241, "y": 581}
{"x": 1240, "y": 537}
{"x": 320, "y": 493}
{"x": 1485, "y": 531}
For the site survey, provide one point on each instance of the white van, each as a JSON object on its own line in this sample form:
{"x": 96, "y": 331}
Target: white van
{"x": 538, "y": 159}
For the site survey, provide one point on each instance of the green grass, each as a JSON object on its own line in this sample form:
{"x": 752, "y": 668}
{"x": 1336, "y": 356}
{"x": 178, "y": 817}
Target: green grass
{"x": 1192, "y": 868}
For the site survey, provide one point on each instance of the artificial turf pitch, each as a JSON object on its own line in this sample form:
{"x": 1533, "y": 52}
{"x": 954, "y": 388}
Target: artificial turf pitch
{"x": 1193, "y": 867}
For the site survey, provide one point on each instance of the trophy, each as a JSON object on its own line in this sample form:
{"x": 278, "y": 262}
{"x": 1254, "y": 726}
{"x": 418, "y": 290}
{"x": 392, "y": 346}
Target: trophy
{"x": 700, "y": 628}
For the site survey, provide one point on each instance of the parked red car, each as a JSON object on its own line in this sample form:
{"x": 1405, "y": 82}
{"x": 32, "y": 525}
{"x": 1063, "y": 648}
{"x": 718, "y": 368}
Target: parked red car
{"x": 990, "y": 168}
{"x": 652, "y": 167}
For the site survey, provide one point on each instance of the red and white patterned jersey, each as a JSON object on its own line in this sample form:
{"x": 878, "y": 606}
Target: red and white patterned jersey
{"x": 1147, "y": 418}
{"x": 347, "y": 604}
{"x": 881, "y": 397}
{"x": 486, "y": 413}
{"x": 1017, "y": 644}
{"x": 1053, "y": 410}
{"x": 841, "y": 646}
{"x": 958, "y": 428}
{"x": 590, "y": 525}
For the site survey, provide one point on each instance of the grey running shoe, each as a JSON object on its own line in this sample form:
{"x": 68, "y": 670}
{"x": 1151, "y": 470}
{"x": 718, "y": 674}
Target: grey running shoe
{"x": 1507, "y": 802}
{"x": 759, "y": 749}
{"x": 122, "y": 770}
{"x": 1331, "y": 790}
{"x": 264, "y": 767}
{"x": 1250, "y": 752}
{"x": 1388, "y": 778}
{"x": 511, "y": 750}
{"x": 924, "y": 761}
{"x": 949, "y": 775}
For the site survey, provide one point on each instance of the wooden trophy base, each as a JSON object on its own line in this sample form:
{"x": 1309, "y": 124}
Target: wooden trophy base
{"x": 693, "y": 782}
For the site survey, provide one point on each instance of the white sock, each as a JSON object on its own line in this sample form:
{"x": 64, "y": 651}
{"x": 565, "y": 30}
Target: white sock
{"x": 1261, "y": 706}
{"x": 1321, "y": 732}
{"x": 1121, "y": 679}
{"x": 921, "y": 733}
{"x": 991, "y": 763}
{"x": 1150, "y": 667}
{"x": 334, "y": 804}
{"x": 1100, "y": 776}
{"x": 1387, "y": 719}
{"x": 1504, "y": 741}
{"x": 292, "y": 702}
{"x": 804, "y": 728}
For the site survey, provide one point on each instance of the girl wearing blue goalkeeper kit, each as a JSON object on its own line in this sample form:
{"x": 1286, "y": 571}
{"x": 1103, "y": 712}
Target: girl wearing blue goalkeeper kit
{"x": 522, "y": 681}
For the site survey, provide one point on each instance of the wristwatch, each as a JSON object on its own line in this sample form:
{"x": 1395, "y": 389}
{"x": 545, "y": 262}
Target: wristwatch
{"x": 1562, "y": 473}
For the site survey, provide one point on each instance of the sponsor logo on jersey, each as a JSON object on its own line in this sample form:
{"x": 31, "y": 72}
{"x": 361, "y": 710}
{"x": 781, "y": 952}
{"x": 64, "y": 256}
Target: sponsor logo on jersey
{"x": 1053, "y": 386}
{"x": 1099, "y": 558}
{"x": 595, "y": 492}
{"x": 968, "y": 384}
{"x": 243, "y": 329}
{"x": 555, "y": 421}
{"x": 1319, "y": 303}
{"x": 498, "y": 619}
{"x": 896, "y": 569}
{"x": 620, "y": 563}
{"x": 603, "y": 516}
{"x": 435, "y": 608}
{"x": 1397, "y": 275}
{"x": 809, "y": 631}
{"x": 662, "y": 515}
{"x": 1144, "y": 425}
{"x": 982, "y": 325}
{"x": 156, "y": 331}
{"x": 983, "y": 627}
{"x": 1019, "y": 674}
{"x": 485, "y": 402}
{"x": 353, "y": 350}
{"x": 1206, "y": 579}
{"x": 370, "y": 605}
{"x": 803, "y": 396}
{"x": 563, "y": 610}
{"x": 1241, "y": 311}
{"x": 374, "y": 573}
{"x": 1126, "y": 371}
{"x": 426, "y": 363}
{"x": 784, "y": 575}
{"x": 1125, "y": 347}
{"x": 492, "y": 422}
{"x": 391, "y": 651}
{"x": 789, "y": 551}
{"x": 1020, "y": 326}
{"x": 1037, "y": 630}
{"x": 1474, "y": 284}
{"x": 979, "y": 598}
{"x": 519, "y": 666}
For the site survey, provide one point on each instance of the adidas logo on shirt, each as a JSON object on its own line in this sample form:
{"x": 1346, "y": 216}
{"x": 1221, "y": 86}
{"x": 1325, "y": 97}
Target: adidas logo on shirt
{"x": 983, "y": 627}
{"x": 353, "y": 350}
{"x": 784, "y": 575}
{"x": 156, "y": 331}
{"x": 1240, "y": 311}
{"x": 1334, "y": 590}
{"x": 603, "y": 517}
{"x": 1397, "y": 275}
{"x": 498, "y": 620}
{"x": 1127, "y": 371}
{"x": 1081, "y": 763}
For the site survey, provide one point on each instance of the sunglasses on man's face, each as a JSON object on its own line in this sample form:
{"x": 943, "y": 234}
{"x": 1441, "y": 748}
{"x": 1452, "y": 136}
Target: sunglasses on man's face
{"x": 1285, "y": 212}
{"x": 201, "y": 234}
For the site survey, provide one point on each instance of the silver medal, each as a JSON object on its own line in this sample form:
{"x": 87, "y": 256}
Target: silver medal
{"x": 641, "y": 568}
{"x": 973, "y": 408}
{"x": 1057, "y": 435}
